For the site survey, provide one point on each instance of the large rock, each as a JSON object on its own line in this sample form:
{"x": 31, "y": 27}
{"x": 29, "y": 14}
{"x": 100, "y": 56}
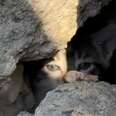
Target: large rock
{"x": 11, "y": 86}
{"x": 89, "y": 8}
{"x": 35, "y": 29}
{"x": 79, "y": 99}
{"x": 15, "y": 95}
{"x": 24, "y": 113}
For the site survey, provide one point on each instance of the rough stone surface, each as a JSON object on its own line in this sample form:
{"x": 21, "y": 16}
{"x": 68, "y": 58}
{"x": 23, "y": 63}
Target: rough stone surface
{"x": 11, "y": 86}
{"x": 89, "y": 8}
{"x": 15, "y": 95}
{"x": 34, "y": 29}
{"x": 79, "y": 99}
{"x": 24, "y": 101}
{"x": 24, "y": 113}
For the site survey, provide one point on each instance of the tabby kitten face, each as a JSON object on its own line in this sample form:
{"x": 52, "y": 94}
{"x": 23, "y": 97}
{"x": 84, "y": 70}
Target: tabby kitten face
{"x": 57, "y": 67}
{"x": 93, "y": 56}
{"x": 87, "y": 61}
{"x": 87, "y": 65}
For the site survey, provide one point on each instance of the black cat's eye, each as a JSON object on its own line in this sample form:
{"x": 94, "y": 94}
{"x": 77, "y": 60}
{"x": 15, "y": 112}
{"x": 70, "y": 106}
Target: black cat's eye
{"x": 84, "y": 66}
{"x": 52, "y": 67}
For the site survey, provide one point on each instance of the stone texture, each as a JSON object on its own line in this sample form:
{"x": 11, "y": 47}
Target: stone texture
{"x": 89, "y": 8}
{"x": 24, "y": 113}
{"x": 35, "y": 29}
{"x": 79, "y": 99}
{"x": 11, "y": 86}
{"x": 15, "y": 95}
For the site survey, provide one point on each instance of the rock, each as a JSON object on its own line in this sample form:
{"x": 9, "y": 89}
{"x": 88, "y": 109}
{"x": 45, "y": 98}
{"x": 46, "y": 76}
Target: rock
{"x": 29, "y": 30}
{"x": 15, "y": 95}
{"x": 79, "y": 99}
{"x": 35, "y": 29}
{"x": 11, "y": 86}
{"x": 22, "y": 103}
{"x": 24, "y": 113}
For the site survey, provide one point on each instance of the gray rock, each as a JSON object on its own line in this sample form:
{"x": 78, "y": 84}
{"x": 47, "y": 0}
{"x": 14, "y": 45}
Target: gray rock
{"x": 25, "y": 101}
{"x": 24, "y": 113}
{"x": 25, "y": 34}
{"x": 89, "y": 8}
{"x": 79, "y": 99}
{"x": 31, "y": 30}
{"x": 15, "y": 95}
{"x": 11, "y": 86}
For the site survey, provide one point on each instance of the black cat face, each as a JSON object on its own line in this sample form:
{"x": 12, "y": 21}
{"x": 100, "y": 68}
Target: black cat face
{"x": 87, "y": 65}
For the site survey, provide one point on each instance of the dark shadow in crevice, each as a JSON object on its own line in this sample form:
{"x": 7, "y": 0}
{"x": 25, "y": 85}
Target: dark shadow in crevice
{"x": 110, "y": 74}
{"x": 94, "y": 24}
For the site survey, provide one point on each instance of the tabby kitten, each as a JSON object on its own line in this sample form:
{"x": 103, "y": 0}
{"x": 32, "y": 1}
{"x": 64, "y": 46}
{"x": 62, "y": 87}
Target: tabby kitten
{"x": 46, "y": 75}
{"x": 57, "y": 66}
{"x": 92, "y": 54}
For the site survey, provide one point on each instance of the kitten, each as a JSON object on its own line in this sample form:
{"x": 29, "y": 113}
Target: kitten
{"x": 57, "y": 66}
{"x": 46, "y": 75}
{"x": 92, "y": 55}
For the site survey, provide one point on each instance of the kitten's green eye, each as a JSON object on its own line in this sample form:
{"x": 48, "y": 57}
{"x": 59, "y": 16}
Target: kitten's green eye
{"x": 53, "y": 67}
{"x": 84, "y": 66}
